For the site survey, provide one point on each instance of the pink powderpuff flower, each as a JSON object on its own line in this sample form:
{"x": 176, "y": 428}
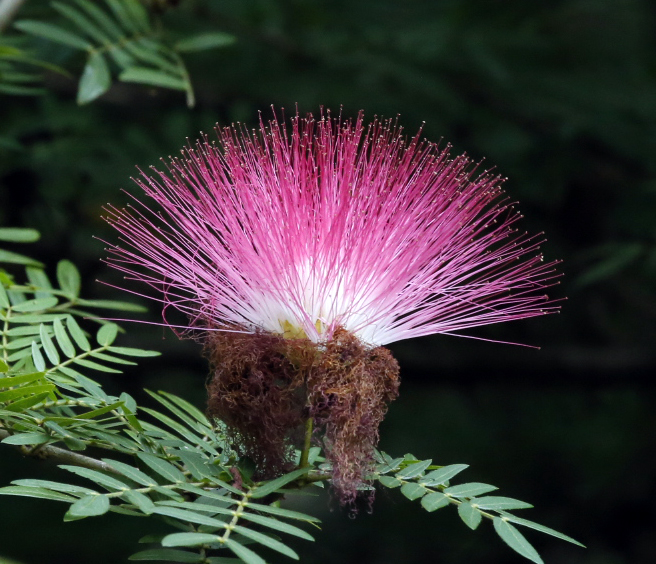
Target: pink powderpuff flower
{"x": 325, "y": 229}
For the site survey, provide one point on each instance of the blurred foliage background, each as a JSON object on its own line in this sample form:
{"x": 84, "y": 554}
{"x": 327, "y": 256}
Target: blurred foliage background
{"x": 558, "y": 95}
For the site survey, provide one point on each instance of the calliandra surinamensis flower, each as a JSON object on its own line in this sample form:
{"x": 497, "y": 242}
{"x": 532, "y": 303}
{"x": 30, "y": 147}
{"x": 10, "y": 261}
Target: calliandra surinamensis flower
{"x": 299, "y": 251}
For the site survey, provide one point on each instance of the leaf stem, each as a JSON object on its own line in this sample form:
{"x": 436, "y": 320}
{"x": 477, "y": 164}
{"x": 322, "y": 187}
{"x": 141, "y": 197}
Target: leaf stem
{"x": 305, "y": 453}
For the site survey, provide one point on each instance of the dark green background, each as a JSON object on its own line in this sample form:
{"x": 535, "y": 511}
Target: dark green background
{"x": 560, "y": 96}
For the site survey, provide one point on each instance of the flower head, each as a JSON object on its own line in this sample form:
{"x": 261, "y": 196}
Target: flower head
{"x": 324, "y": 229}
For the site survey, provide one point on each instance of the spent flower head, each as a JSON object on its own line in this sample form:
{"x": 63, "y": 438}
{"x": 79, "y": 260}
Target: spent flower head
{"x": 298, "y": 251}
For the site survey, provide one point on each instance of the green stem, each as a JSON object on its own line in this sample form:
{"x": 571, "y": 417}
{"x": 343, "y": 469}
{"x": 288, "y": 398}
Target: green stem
{"x": 305, "y": 453}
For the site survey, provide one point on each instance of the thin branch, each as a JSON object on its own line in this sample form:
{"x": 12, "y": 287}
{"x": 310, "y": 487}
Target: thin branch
{"x": 305, "y": 453}
{"x": 64, "y": 456}
{"x": 8, "y": 9}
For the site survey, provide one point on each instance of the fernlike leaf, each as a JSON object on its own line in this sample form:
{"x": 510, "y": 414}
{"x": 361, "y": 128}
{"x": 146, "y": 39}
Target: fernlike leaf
{"x": 32, "y": 438}
{"x": 37, "y": 304}
{"x": 90, "y": 506}
{"x": 41, "y": 493}
{"x": 434, "y": 501}
{"x": 266, "y": 541}
{"x": 189, "y": 539}
{"x": 246, "y": 554}
{"x": 497, "y": 503}
{"x": 63, "y": 340}
{"x": 107, "y": 334}
{"x": 78, "y": 335}
{"x": 162, "y": 467}
{"x": 68, "y": 275}
{"x": 413, "y": 491}
{"x": 54, "y": 33}
{"x": 442, "y": 475}
{"x": 413, "y": 470}
{"x": 515, "y": 540}
{"x": 48, "y": 345}
{"x": 144, "y": 75}
{"x": 470, "y": 516}
{"x": 274, "y": 485}
{"x": 4, "y": 299}
{"x": 97, "y": 477}
{"x": 19, "y": 235}
{"x": 37, "y": 357}
{"x": 541, "y": 528}
{"x": 205, "y": 41}
{"x": 470, "y": 489}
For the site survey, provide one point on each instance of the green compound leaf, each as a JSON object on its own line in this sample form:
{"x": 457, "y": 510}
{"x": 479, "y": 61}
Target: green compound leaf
{"x": 497, "y": 503}
{"x": 4, "y": 367}
{"x": 41, "y": 493}
{"x": 54, "y": 33}
{"x": 48, "y": 345}
{"x": 95, "y": 80}
{"x": 78, "y": 335}
{"x": 167, "y": 555}
{"x": 389, "y": 481}
{"x": 266, "y": 541}
{"x": 470, "y": 489}
{"x": 37, "y": 304}
{"x": 162, "y": 467}
{"x": 32, "y": 438}
{"x": 413, "y": 491}
{"x": 129, "y": 351}
{"x": 144, "y": 75}
{"x": 189, "y": 539}
{"x": 188, "y": 516}
{"x": 15, "y": 258}
{"x": 246, "y": 554}
{"x": 470, "y": 516}
{"x": 112, "y": 304}
{"x": 90, "y": 506}
{"x": 19, "y": 235}
{"x": 57, "y": 486}
{"x": 107, "y": 334}
{"x": 97, "y": 477}
{"x": 68, "y": 277}
{"x": 63, "y": 340}
{"x": 442, "y": 475}
{"x": 205, "y": 41}
{"x": 4, "y": 298}
{"x": 413, "y": 470}
{"x": 37, "y": 357}
{"x": 274, "y": 485}
{"x": 541, "y": 528}
{"x": 131, "y": 472}
{"x": 515, "y": 540}
{"x": 434, "y": 501}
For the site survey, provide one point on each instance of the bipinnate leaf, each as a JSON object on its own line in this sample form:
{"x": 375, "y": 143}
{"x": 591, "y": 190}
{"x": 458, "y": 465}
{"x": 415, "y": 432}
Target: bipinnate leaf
{"x": 412, "y": 490}
{"x": 162, "y": 467}
{"x": 266, "y": 540}
{"x": 152, "y": 77}
{"x": 54, "y": 33}
{"x": 274, "y": 485}
{"x": 246, "y": 554}
{"x": 19, "y": 235}
{"x": 95, "y": 79}
{"x": 442, "y": 475}
{"x": 389, "y": 481}
{"x": 470, "y": 489}
{"x": 541, "y": 528}
{"x": 434, "y": 501}
{"x": 30, "y": 438}
{"x": 63, "y": 340}
{"x": 107, "y": 334}
{"x": 498, "y": 503}
{"x": 37, "y": 357}
{"x": 78, "y": 335}
{"x": 68, "y": 278}
{"x": 90, "y": 506}
{"x": 4, "y": 298}
{"x": 413, "y": 470}
{"x": 41, "y": 493}
{"x": 515, "y": 540}
{"x": 470, "y": 516}
{"x": 204, "y": 41}
{"x": 37, "y": 304}
{"x": 48, "y": 345}
{"x": 189, "y": 539}
{"x": 4, "y": 367}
